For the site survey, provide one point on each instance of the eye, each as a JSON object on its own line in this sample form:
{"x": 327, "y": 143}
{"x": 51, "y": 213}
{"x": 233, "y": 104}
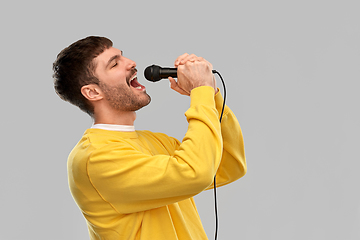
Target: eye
{"x": 114, "y": 65}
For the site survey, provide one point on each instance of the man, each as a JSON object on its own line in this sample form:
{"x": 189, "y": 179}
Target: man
{"x": 138, "y": 184}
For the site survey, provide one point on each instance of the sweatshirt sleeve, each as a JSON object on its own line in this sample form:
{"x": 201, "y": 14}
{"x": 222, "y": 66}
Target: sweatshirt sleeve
{"x": 132, "y": 181}
{"x": 233, "y": 162}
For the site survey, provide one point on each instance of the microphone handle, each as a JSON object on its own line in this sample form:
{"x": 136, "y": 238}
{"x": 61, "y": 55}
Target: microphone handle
{"x": 171, "y": 72}
{"x": 155, "y": 73}
{"x": 168, "y": 72}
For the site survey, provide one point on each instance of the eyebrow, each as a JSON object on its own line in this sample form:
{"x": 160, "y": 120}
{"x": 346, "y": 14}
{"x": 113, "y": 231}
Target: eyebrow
{"x": 113, "y": 58}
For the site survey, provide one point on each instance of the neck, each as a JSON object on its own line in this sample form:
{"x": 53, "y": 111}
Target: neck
{"x": 118, "y": 118}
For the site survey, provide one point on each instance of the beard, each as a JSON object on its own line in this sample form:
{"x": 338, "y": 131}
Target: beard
{"x": 122, "y": 97}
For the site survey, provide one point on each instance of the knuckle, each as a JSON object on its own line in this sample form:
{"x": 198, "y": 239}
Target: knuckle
{"x": 180, "y": 68}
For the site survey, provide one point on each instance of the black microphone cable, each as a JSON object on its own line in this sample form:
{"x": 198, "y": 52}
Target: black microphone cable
{"x": 215, "y": 192}
{"x": 155, "y": 73}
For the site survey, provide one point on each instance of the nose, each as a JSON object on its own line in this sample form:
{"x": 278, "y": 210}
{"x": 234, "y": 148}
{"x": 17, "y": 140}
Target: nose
{"x": 130, "y": 64}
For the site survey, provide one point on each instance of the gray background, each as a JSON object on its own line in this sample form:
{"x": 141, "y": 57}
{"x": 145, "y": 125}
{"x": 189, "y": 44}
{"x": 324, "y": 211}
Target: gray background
{"x": 292, "y": 73}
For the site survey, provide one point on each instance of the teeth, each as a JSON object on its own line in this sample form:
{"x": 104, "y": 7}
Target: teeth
{"x": 133, "y": 77}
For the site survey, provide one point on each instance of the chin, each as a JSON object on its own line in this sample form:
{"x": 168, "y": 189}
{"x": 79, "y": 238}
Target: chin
{"x": 143, "y": 103}
{"x": 148, "y": 102}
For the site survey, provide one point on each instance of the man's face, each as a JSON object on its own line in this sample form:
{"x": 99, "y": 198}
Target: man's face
{"x": 118, "y": 81}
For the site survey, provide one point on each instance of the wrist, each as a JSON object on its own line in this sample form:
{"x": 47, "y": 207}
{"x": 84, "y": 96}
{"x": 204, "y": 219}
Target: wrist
{"x": 205, "y": 84}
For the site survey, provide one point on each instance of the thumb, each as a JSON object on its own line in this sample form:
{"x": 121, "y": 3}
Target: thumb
{"x": 174, "y": 86}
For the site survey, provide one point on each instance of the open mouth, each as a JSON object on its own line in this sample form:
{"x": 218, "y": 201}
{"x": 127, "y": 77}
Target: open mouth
{"x": 135, "y": 84}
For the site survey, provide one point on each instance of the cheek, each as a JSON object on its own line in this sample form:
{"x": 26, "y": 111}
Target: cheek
{"x": 116, "y": 79}
{"x": 121, "y": 78}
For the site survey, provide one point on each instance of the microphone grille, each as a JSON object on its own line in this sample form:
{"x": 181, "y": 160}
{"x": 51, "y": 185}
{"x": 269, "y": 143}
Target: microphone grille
{"x": 152, "y": 73}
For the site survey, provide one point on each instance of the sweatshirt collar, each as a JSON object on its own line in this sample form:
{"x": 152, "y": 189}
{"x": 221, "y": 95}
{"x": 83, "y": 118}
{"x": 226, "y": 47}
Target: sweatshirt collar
{"x": 114, "y": 127}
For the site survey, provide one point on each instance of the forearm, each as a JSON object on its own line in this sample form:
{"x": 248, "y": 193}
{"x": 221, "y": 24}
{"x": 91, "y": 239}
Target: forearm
{"x": 233, "y": 162}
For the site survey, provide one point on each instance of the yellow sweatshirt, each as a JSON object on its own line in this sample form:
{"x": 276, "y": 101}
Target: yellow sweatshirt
{"x": 140, "y": 184}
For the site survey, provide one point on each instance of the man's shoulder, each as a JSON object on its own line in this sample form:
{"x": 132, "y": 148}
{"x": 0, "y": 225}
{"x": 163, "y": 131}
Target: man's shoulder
{"x": 150, "y": 134}
{"x": 162, "y": 138}
{"x": 97, "y": 138}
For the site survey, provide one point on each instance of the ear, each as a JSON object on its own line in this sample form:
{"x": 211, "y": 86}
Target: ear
{"x": 92, "y": 92}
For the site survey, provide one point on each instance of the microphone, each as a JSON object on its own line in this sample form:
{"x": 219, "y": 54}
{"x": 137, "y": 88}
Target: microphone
{"x": 155, "y": 73}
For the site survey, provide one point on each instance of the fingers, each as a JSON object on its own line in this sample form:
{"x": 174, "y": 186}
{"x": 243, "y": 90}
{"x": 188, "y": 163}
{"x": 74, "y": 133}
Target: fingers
{"x": 193, "y": 71}
{"x": 180, "y": 58}
{"x": 174, "y": 86}
{"x": 187, "y": 58}
{"x": 183, "y": 59}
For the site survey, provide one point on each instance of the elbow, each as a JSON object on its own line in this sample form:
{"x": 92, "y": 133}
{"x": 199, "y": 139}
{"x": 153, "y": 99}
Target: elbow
{"x": 238, "y": 166}
{"x": 242, "y": 168}
{"x": 239, "y": 170}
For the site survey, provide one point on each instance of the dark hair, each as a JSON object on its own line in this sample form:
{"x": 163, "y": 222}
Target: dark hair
{"x": 74, "y": 68}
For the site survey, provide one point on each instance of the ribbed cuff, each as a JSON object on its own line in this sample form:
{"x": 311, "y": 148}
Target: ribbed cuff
{"x": 203, "y": 95}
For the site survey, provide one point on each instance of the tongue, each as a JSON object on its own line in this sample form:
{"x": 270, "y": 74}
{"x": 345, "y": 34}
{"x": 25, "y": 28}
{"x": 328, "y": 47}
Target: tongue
{"x": 134, "y": 83}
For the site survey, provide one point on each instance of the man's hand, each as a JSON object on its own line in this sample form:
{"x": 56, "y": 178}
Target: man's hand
{"x": 192, "y": 72}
